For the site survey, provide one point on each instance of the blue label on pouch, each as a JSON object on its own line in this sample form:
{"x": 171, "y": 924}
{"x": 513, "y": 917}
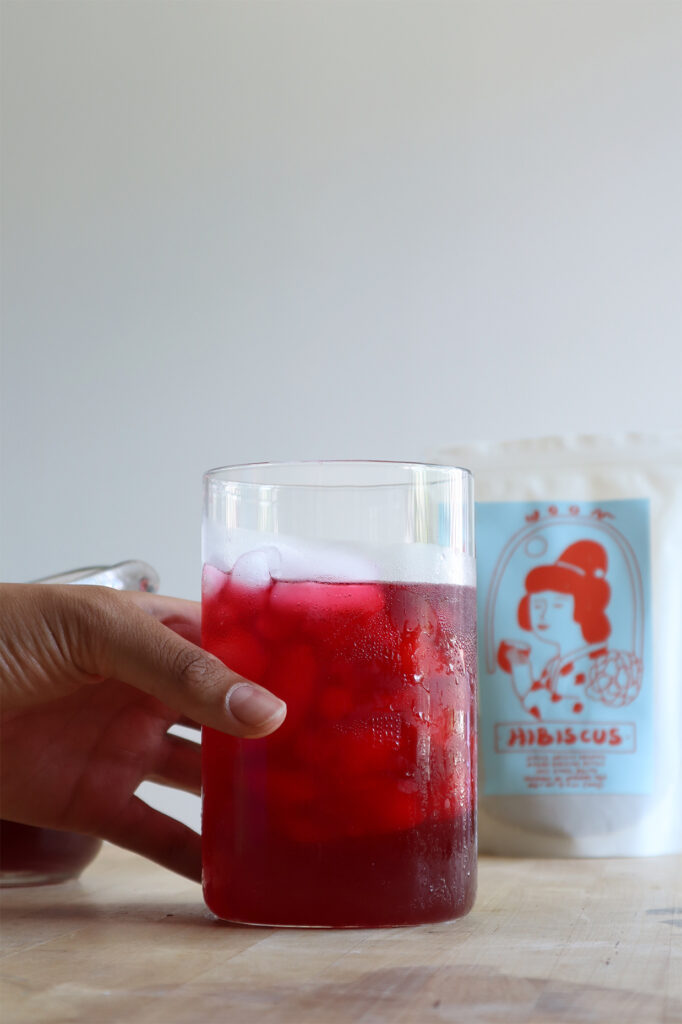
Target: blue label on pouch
{"x": 566, "y": 685}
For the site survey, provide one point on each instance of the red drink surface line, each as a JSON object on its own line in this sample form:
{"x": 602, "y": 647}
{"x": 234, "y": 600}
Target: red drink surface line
{"x": 360, "y": 809}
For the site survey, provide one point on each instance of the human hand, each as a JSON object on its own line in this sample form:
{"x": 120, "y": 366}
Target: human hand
{"x": 90, "y": 681}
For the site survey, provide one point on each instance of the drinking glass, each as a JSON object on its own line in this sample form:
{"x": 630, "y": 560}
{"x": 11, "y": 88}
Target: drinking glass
{"x": 347, "y": 589}
{"x": 30, "y": 855}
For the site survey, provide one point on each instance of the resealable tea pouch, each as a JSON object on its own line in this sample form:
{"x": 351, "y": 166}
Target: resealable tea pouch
{"x": 579, "y": 550}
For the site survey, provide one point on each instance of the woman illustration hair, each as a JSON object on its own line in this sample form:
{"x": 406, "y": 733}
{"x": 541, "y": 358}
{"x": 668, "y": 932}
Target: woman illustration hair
{"x": 580, "y": 570}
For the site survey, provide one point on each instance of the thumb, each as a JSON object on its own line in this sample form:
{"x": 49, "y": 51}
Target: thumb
{"x": 119, "y": 635}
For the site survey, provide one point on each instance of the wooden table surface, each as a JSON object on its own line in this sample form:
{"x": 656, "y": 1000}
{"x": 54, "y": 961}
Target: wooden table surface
{"x": 547, "y": 941}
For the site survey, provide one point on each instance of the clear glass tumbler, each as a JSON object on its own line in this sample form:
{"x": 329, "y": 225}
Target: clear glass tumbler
{"x": 348, "y": 589}
{"x": 44, "y": 856}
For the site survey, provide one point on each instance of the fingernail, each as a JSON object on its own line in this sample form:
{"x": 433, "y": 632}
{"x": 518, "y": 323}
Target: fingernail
{"x": 253, "y": 706}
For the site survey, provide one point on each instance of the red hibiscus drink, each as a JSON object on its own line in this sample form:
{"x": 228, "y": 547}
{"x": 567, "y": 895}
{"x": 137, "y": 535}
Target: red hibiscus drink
{"x": 360, "y": 810}
{"x": 42, "y": 856}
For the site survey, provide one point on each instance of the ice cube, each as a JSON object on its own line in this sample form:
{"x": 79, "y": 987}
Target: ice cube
{"x": 212, "y": 582}
{"x": 253, "y": 569}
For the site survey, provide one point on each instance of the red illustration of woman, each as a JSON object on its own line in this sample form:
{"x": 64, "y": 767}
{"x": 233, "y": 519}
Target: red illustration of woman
{"x": 565, "y": 607}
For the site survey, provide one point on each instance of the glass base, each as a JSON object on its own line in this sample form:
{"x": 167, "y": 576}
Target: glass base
{"x": 314, "y": 927}
{"x": 17, "y": 879}
{"x": 42, "y": 856}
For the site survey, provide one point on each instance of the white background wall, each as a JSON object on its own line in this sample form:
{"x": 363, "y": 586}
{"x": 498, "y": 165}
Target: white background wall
{"x": 245, "y": 230}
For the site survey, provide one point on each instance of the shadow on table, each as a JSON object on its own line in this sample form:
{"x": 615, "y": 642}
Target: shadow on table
{"x": 454, "y": 993}
{"x": 164, "y": 912}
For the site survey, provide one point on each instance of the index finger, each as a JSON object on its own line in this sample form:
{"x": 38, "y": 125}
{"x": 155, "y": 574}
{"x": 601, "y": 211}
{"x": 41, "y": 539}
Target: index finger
{"x": 180, "y": 615}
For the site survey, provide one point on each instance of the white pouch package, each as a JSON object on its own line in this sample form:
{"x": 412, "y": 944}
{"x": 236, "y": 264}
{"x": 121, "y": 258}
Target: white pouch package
{"x": 579, "y": 555}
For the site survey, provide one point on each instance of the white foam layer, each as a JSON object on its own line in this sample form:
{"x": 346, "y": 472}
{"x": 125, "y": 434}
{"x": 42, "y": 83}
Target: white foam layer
{"x": 258, "y": 557}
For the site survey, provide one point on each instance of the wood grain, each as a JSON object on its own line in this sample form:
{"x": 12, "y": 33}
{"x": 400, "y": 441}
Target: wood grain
{"x": 570, "y": 941}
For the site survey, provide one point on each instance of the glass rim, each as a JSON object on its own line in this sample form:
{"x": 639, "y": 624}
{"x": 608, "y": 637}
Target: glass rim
{"x": 218, "y": 473}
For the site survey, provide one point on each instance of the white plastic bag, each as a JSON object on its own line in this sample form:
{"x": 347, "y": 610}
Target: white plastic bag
{"x": 579, "y": 553}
